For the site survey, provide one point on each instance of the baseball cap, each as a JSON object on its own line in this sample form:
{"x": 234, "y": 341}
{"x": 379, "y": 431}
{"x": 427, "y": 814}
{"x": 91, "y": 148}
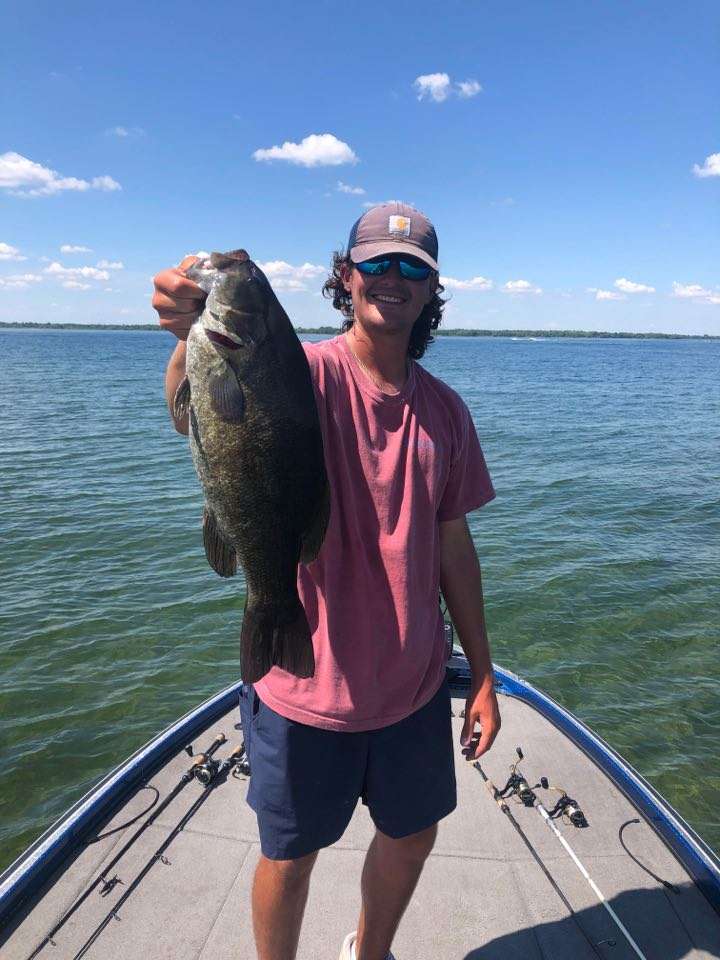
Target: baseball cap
{"x": 393, "y": 228}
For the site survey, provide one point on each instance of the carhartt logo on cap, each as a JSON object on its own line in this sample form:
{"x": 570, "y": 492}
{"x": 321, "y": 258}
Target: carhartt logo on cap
{"x": 400, "y": 226}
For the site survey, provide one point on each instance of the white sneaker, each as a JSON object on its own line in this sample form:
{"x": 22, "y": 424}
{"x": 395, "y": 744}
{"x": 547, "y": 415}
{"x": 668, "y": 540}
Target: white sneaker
{"x": 347, "y": 948}
{"x": 348, "y": 952}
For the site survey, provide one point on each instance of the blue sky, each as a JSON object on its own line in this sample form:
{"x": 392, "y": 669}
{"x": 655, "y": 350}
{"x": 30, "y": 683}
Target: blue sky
{"x": 568, "y": 153}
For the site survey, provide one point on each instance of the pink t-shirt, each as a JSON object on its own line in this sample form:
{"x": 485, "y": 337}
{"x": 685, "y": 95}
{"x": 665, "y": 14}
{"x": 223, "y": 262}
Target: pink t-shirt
{"x": 397, "y": 465}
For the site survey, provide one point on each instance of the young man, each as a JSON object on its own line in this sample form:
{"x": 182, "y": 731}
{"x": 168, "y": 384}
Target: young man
{"x": 405, "y": 466}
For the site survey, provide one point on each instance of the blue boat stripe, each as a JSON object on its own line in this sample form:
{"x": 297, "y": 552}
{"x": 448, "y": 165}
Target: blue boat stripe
{"x": 26, "y": 874}
{"x": 692, "y": 852}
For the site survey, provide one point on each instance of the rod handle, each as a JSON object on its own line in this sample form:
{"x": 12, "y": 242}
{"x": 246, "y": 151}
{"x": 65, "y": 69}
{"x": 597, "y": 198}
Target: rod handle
{"x": 217, "y": 742}
{"x": 495, "y": 794}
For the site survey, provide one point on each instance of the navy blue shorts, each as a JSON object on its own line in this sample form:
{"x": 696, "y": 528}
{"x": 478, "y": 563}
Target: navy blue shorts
{"x": 306, "y": 781}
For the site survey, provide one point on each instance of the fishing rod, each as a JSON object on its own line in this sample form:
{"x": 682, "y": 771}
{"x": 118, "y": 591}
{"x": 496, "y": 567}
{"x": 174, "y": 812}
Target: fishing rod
{"x": 193, "y": 771}
{"x": 501, "y": 801}
{"x": 215, "y": 771}
{"x": 569, "y": 806}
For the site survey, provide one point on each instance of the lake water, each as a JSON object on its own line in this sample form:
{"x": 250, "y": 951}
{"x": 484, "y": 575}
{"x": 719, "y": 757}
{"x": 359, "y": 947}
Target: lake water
{"x": 600, "y": 555}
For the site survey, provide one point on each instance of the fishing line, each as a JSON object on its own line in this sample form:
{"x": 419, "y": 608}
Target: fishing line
{"x": 665, "y": 883}
{"x": 190, "y": 774}
{"x": 124, "y": 826}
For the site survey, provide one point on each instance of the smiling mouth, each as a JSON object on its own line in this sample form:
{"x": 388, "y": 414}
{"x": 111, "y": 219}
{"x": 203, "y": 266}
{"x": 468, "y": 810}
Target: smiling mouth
{"x": 386, "y": 298}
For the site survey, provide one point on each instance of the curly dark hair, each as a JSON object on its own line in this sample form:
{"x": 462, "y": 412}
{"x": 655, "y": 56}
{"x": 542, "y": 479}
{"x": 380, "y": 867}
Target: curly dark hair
{"x": 420, "y": 336}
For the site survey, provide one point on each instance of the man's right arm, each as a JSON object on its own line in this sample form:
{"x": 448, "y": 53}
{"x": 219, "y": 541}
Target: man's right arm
{"x": 178, "y": 302}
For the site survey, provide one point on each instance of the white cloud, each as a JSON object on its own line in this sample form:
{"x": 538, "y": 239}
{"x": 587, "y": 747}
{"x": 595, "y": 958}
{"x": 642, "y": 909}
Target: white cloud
{"x": 379, "y": 203}
{"x": 693, "y": 291}
{"x": 435, "y": 86}
{"x": 711, "y": 167}
{"x": 520, "y": 286}
{"x": 10, "y": 253}
{"x": 20, "y": 280}
{"x": 503, "y": 202}
{"x": 111, "y": 265}
{"x": 71, "y": 248}
{"x": 87, "y": 273}
{"x": 284, "y": 276}
{"x": 438, "y": 87}
{"x": 346, "y": 188}
{"x": 607, "y": 294}
{"x": 627, "y": 286}
{"x": 103, "y": 183}
{"x": 689, "y": 290}
{"x": 35, "y": 180}
{"x": 477, "y": 283}
{"x": 468, "y": 88}
{"x": 316, "y": 150}
{"x": 75, "y": 285}
{"x": 279, "y": 268}
{"x": 124, "y": 132}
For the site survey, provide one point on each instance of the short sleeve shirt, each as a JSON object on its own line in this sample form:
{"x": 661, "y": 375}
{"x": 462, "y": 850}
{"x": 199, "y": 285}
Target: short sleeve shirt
{"x": 397, "y": 465}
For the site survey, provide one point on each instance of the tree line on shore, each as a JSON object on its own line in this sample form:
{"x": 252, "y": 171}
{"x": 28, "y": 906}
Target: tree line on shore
{"x": 332, "y": 331}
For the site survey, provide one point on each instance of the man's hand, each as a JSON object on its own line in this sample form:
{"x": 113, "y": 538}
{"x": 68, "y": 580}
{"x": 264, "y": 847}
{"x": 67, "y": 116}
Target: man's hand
{"x": 178, "y": 301}
{"x": 481, "y": 707}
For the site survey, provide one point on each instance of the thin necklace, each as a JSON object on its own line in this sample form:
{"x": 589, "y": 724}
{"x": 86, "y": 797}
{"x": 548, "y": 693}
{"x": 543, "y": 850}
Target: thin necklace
{"x": 365, "y": 369}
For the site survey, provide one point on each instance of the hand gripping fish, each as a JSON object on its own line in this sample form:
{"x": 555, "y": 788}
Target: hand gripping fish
{"x": 257, "y": 448}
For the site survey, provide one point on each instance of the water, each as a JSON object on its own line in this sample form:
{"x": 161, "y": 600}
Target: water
{"x": 600, "y": 556}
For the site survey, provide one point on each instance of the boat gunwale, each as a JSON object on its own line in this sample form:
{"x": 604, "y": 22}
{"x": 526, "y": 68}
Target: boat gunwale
{"x": 36, "y": 865}
{"x": 49, "y": 852}
{"x": 691, "y": 851}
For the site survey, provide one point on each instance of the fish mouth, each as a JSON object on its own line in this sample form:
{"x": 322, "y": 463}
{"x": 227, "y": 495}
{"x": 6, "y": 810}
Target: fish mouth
{"x": 219, "y": 334}
{"x": 228, "y": 340}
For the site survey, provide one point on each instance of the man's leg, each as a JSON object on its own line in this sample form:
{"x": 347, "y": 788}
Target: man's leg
{"x": 390, "y": 874}
{"x": 279, "y": 895}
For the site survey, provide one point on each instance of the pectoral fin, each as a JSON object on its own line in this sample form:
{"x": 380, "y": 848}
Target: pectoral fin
{"x": 313, "y": 537}
{"x": 181, "y": 400}
{"x": 226, "y": 395}
{"x": 220, "y": 554}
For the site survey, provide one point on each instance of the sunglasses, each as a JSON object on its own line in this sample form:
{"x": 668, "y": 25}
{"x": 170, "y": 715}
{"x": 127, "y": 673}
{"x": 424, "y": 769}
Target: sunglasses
{"x": 410, "y": 268}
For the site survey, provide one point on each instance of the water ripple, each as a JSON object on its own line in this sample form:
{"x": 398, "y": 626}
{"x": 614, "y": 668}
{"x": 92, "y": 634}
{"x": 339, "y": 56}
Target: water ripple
{"x": 601, "y": 554}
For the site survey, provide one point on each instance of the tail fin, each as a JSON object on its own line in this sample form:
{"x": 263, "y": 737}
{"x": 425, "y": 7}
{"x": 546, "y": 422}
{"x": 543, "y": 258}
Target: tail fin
{"x": 275, "y": 635}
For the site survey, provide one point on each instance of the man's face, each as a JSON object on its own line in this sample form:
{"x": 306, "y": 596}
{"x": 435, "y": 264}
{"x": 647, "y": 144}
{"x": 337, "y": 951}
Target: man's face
{"x": 388, "y": 303}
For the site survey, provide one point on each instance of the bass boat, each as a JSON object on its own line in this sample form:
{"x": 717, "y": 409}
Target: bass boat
{"x": 558, "y": 850}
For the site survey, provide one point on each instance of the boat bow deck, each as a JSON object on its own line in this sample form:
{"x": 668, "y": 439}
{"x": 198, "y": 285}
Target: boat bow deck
{"x": 482, "y": 895}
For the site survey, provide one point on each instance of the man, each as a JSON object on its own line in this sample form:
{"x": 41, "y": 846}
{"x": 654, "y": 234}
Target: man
{"x": 405, "y": 466}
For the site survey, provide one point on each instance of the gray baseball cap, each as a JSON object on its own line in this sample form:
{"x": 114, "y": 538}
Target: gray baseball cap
{"x": 393, "y": 228}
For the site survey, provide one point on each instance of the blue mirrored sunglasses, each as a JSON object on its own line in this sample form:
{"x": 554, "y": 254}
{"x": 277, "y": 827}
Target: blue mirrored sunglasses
{"x": 409, "y": 267}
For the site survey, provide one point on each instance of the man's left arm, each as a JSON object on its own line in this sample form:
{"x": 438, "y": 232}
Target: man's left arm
{"x": 461, "y": 585}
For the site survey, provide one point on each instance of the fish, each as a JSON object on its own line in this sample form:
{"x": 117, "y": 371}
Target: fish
{"x": 257, "y": 448}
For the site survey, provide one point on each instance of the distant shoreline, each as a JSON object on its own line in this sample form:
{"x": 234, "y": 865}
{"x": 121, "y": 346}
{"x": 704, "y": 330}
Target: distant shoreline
{"x": 457, "y": 332}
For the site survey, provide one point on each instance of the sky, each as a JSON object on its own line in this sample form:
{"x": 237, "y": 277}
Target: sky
{"x": 568, "y": 153}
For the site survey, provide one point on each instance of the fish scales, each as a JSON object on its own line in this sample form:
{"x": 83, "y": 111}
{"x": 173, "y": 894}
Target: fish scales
{"x": 257, "y": 449}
